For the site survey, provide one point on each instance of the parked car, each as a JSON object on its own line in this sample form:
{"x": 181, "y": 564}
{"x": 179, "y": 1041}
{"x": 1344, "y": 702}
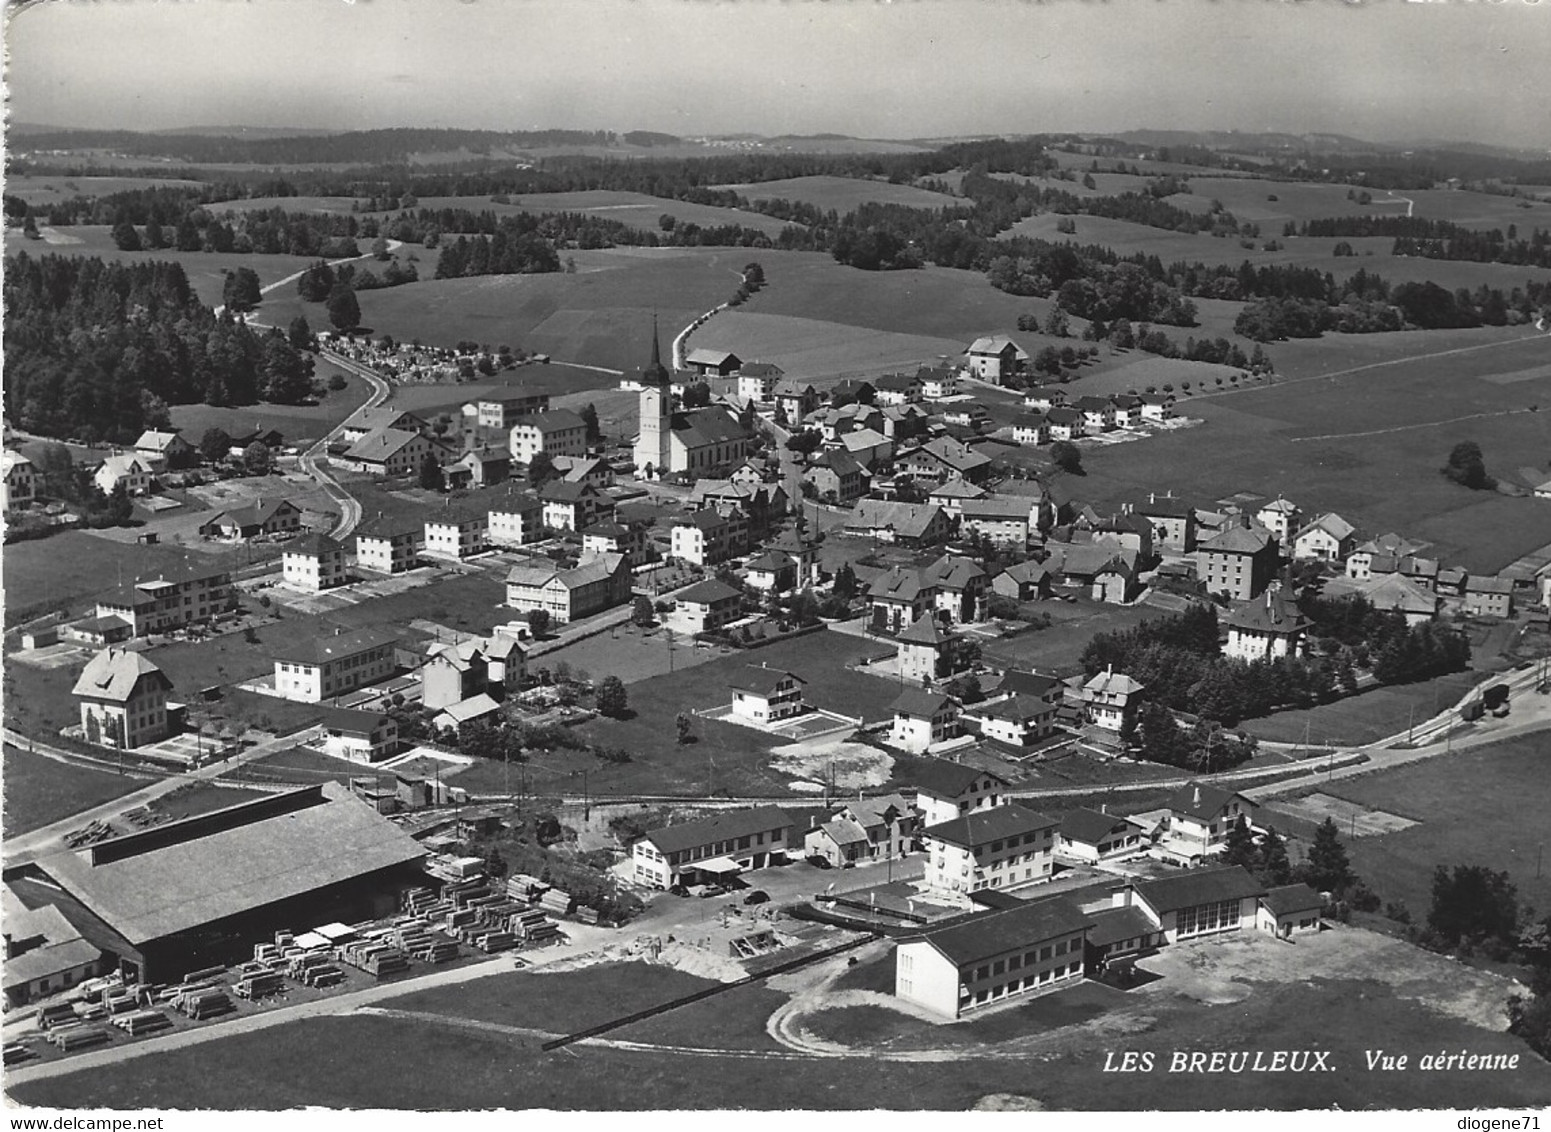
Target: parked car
{"x": 679, "y": 890}
{"x": 713, "y": 890}
{"x": 819, "y": 862}
{"x": 758, "y": 896}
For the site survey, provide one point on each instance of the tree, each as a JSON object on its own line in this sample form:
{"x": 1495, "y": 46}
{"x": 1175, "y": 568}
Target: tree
{"x": 845, "y": 582}
{"x": 343, "y": 307}
{"x": 589, "y": 416}
{"x": 214, "y": 445}
{"x": 1327, "y": 868}
{"x": 241, "y": 291}
{"x": 125, "y": 238}
{"x": 1473, "y": 903}
{"x": 642, "y": 613}
{"x": 541, "y": 469}
{"x": 287, "y": 373}
{"x": 684, "y": 723}
{"x": 1239, "y": 845}
{"x": 1056, "y": 323}
{"x": 315, "y": 284}
{"x": 299, "y": 334}
{"x": 754, "y": 275}
{"x": 611, "y": 698}
{"x": 1067, "y": 456}
{"x": 538, "y": 621}
{"x": 1274, "y": 867}
{"x": 431, "y": 477}
{"x": 1467, "y": 468}
{"x": 256, "y": 459}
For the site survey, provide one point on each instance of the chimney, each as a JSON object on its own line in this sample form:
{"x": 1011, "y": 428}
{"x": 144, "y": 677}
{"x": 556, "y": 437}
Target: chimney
{"x": 1197, "y": 801}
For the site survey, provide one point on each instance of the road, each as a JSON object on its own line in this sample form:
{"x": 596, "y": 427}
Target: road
{"x": 349, "y": 506}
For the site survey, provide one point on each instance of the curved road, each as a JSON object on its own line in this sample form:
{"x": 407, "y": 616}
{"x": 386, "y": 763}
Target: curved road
{"x": 349, "y": 506}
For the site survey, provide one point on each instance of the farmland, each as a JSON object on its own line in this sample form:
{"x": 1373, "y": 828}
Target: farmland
{"x": 1376, "y": 714}
{"x": 842, "y": 194}
{"x": 45, "y": 189}
{"x": 636, "y": 210}
{"x": 40, "y": 790}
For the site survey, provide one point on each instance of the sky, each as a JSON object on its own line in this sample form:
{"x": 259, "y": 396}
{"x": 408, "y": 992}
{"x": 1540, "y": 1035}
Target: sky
{"x": 1383, "y": 70}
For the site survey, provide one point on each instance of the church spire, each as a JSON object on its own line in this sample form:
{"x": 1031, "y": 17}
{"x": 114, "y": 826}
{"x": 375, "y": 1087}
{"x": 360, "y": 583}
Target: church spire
{"x": 656, "y": 373}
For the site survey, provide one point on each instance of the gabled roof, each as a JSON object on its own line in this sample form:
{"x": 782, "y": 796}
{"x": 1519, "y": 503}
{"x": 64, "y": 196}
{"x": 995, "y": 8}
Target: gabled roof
{"x": 1196, "y": 887}
{"x": 950, "y": 453}
{"x": 921, "y": 704}
{"x": 952, "y": 572}
{"x": 124, "y": 465}
{"x": 382, "y": 443}
{"x": 709, "y": 357}
{"x": 1164, "y": 507}
{"x": 1239, "y": 539}
{"x": 979, "y": 827}
{"x": 1029, "y": 683}
{"x": 1204, "y": 802}
{"x": 554, "y": 420}
{"x": 514, "y": 500}
{"x": 943, "y": 779}
{"x": 771, "y": 561}
{"x": 995, "y": 933}
{"x": 1015, "y": 709}
{"x": 995, "y": 344}
{"x": 1488, "y": 585}
{"x": 908, "y": 520}
{"x": 708, "y": 592}
{"x": 312, "y": 545}
{"x": 760, "y": 680}
{"x": 960, "y": 489}
{"x": 114, "y": 674}
{"x": 1092, "y": 404}
{"x": 1090, "y": 826}
{"x": 350, "y": 719}
{"x": 1332, "y": 524}
{"x": 699, "y": 428}
{"x": 567, "y": 491}
{"x": 325, "y": 647}
{"x": 1064, "y": 415}
{"x": 1270, "y": 613}
{"x": 925, "y": 630}
{"x": 843, "y": 831}
{"x": 1400, "y": 593}
{"x": 1110, "y": 683}
{"x": 760, "y": 369}
{"x": 1286, "y": 899}
{"x": 725, "y": 826}
{"x": 370, "y": 418}
{"x": 159, "y": 441}
{"x": 475, "y": 707}
{"x": 897, "y": 383}
{"x": 898, "y": 584}
{"x": 1112, "y": 925}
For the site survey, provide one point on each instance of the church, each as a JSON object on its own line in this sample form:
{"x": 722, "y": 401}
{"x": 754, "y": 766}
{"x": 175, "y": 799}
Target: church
{"x": 698, "y": 441}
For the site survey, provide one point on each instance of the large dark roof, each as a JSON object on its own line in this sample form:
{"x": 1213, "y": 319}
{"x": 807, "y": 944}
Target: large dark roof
{"x": 995, "y": 933}
{"x": 701, "y": 427}
{"x": 943, "y": 779}
{"x": 718, "y": 827}
{"x": 1198, "y": 886}
{"x": 1029, "y": 683}
{"x": 981, "y": 826}
{"x": 1285, "y": 899}
{"x": 761, "y": 680}
{"x": 919, "y": 703}
{"x": 707, "y": 591}
{"x": 321, "y": 648}
{"x": 1203, "y": 802}
{"x": 1090, "y": 826}
{"x": 1111, "y": 925}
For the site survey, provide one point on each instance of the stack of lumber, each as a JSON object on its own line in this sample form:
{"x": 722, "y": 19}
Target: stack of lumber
{"x": 70, "y": 1038}
{"x": 137, "y": 1022}
{"x": 556, "y": 901}
{"x": 201, "y": 1002}
{"x": 16, "y": 1052}
{"x": 59, "y": 1014}
{"x": 493, "y": 941}
{"x": 322, "y": 975}
{"x": 259, "y": 986}
{"x": 377, "y": 959}
{"x": 524, "y": 887}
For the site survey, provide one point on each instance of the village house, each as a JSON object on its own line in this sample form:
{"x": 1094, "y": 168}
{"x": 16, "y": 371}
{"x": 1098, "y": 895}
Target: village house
{"x": 323, "y": 667}
{"x": 514, "y": 517}
{"x": 868, "y": 447}
{"x": 1031, "y": 428}
{"x": 771, "y": 573}
{"x": 558, "y": 432}
{"x": 628, "y": 539}
{"x": 713, "y": 363}
{"x": 175, "y": 598}
{"x": 1359, "y": 564}
{"x": 897, "y": 389}
{"x": 1110, "y": 698}
{"x": 763, "y": 695}
{"x": 1093, "y": 836}
{"x": 590, "y": 470}
{"x": 951, "y": 495}
{"x": 1004, "y": 520}
{"x": 712, "y": 849}
{"x": 757, "y": 381}
{"x": 1423, "y": 571}
{"x": 1157, "y": 406}
{"x": 362, "y": 736}
{"x": 943, "y": 459}
{"x": 369, "y": 419}
{"x": 1125, "y": 531}
{"x": 1010, "y": 953}
{"x": 18, "y": 482}
{"x": 708, "y": 605}
{"x": 1065, "y": 423}
{"x": 1489, "y": 597}
{"x": 395, "y": 452}
{"x": 267, "y": 519}
{"x": 126, "y": 471}
{"x": 483, "y": 466}
{"x": 959, "y": 587}
{"x": 762, "y": 505}
{"x": 1128, "y": 410}
{"x": 1195, "y": 903}
{"x": 1173, "y": 522}
{"x": 923, "y": 719}
{"x": 161, "y": 450}
{"x": 1098, "y": 413}
{"x": 1201, "y": 816}
{"x": 795, "y": 400}
{"x": 1328, "y": 538}
{"x": 908, "y": 524}
{"x": 709, "y": 538}
{"x": 835, "y": 423}
{"x": 1023, "y": 581}
{"x": 905, "y": 422}
{"x": 869, "y": 829}
{"x": 946, "y": 790}
{"x": 1014, "y": 720}
{"x": 313, "y": 563}
{"x": 457, "y": 531}
{"x": 1280, "y": 518}
{"x": 1004, "y": 847}
{"x": 927, "y": 652}
{"x": 123, "y": 699}
{"x": 898, "y": 598}
{"x": 1240, "y": 562}
{"x": 971, "y": 415}
{"x": 597, "y": 582}
{"x": 997, "y": 359}
{"x": 574, "y": 506}
{"x": 1391, "y": 593}
{"x": 836, "y": 476}
{"x": 1266, "y": 628}
{"x": 1045, "y": 397}
{"x": 938, "y": 382}
{"x": 389, "y": 546}
{"x": 495, "y": 666}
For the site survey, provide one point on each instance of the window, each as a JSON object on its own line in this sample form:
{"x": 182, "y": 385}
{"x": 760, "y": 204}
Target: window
{"x": 1044, "y": 954}
{"x": 999, "y": 967}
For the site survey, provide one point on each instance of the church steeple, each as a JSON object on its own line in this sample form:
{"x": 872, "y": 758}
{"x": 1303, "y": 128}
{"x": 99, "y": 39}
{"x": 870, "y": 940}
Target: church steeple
{"x": 655, "y": 372}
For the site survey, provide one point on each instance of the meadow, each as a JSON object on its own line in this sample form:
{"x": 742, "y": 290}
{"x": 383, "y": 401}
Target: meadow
{"x": 842, "y": 194}
{"x": 42, "y": 190}
{"x": 636, "y": 210}
{"x": 41, "y": 790}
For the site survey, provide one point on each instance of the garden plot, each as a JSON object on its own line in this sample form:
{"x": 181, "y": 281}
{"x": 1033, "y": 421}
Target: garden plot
{"x": 845, "y": 765}
{"x": 1354, "y": 820}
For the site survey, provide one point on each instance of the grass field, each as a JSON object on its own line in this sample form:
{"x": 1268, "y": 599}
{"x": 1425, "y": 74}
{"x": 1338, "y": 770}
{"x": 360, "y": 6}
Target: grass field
{"x": 40, "y": 790}
{"x": 842, "y": 194}
{"x": 54, "y": 189}
{"x": 1481, "y": 807}
{"x": 1058, "y": 646}
{"x": 637, "y": 210}
{"x": 298, "y": 423}
{"x": 1375, "y": 714}
{"x": 820, "y": 349}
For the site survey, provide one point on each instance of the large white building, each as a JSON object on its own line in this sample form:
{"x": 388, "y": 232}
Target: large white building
{"x": 313, "y": 563}
{"x": 1002, "y": 847}
{"x": 123, "y": 699}
{"x": 18, "y": 482}
{"x": 696, "y": 440}
{"x": 558, "y": 432}
{"x": 323, "y": 667}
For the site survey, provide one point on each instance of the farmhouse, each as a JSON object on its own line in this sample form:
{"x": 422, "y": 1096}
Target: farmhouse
{"x": 172, "y": 600}
{"x": 200, "y": 891}
{"x": 268, "y": 518}
{"x": 369, "y": 419}
{"x": 945, "y": 790}
{"x": 123, "y": 697}
{"x": 923, "y": 719}
{"x": 897, "y": 389}
{"x": 944, "y": 459}
{"x": 1238, "y": 563}
{"x": 952, "y": 971}
{"x": 1202, "y": 816}
{"x": 1271, "y": 626}
{"x": 711, "y": 849}
{"x": 764, "y": 695}
{"x": 996, "y": 359}
{"x": 323, "y": 667}
{"x": 708, "y": 605}
{"x": 597, "y": 582}
{"x": 1094, "y": 836}
{"x": 1003, "y": 847}
{"x": 713, "y": 363}
{"x": 909, "y": 524}
{"x": 364, "y": 736}
{"x": 389, "y": 546}
{"x": 313, "y": 563}
{"x": 394, "y": 452}
{"x": 162, "y": 450}
{"x": 1489, "y": 596}
{"x": 1195, "y": 903}
{"x": 132, "y": 473}
{"x": 709, "y": 538}
{"x": 559, "y": 432}
{"x": 457, "y": 531}
{"x": 18, "y": 482}
{"x": 1329, "y": 538}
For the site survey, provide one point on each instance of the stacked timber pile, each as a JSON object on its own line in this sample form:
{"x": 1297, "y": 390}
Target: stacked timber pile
{"x": 138, "y": 1022}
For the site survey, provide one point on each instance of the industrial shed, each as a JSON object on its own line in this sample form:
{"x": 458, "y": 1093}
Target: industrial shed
{"x": 199, "y": 891}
